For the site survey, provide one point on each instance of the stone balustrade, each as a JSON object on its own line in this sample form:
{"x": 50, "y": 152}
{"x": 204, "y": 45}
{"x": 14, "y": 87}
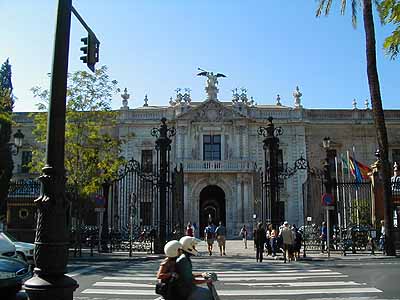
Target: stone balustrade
{"x": 218, "y": 166}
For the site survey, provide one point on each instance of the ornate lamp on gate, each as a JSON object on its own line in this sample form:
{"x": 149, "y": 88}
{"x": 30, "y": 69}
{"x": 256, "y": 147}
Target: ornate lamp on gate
{"x": 163, "y": 146}
{"x": 271, "y": 149}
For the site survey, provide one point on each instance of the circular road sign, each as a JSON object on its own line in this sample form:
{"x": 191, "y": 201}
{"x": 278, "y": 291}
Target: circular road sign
{"x": 99, "y": 201}
{"x": 327, "y": 199}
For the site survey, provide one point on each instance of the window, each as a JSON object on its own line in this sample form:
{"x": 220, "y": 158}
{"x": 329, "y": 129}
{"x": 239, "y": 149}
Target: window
{"x": 396, "y": 156}
{"x": 147, "y": 161}
{"x": 25, "y": 161}
{"x": 211, "y": 147}
{"x": 331, "y": 160}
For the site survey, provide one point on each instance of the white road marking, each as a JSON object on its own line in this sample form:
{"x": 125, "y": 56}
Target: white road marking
{"x": 268, "y": 292}
{"x": 126, "y": 284}
{"x": 298, "y": 284}
{"x": 242, "y": 278}
{"x": 83, "y": 270}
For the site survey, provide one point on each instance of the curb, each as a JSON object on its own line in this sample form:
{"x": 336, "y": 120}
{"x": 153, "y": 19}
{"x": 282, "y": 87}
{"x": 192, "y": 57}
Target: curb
{"x": 117, "y": 258}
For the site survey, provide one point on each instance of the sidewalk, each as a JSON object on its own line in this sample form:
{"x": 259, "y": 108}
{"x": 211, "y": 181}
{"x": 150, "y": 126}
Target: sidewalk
{"x": 234, "y": 249}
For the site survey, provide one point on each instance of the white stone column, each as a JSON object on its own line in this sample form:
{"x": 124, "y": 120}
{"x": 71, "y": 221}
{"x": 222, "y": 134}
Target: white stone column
{"x": 245, "y": 134}
{"x": 239, "y": 201}
{"x": 186, "y": 201}
{"x": 237, "y": 142}
{"x": 245, "y": 210}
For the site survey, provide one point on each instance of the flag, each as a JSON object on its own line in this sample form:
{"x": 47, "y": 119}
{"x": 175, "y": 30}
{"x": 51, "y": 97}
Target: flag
{"x": 359, "y": 170}
{"x": 345, "y": 165}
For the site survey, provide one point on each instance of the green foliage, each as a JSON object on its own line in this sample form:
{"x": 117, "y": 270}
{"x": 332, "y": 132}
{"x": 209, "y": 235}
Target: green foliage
{"x": 360, "y": 212}
{"x": 92, "y": 154}
{"x": 389, "y": 11}
{"x": 6, "y": 107}
{"x": 324, "y": 8}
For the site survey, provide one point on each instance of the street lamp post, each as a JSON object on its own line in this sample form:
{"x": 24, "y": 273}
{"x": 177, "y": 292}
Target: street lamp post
{"x": 105, "y": 234}
{"x": 327, "y": 180}
{"x": 51, "y": 241}
{"x": 163, "y": 147}
{"x": 271, "y": 150}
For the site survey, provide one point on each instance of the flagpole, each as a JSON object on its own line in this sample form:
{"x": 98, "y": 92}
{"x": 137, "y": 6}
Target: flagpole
{"x": 349, "y": 195}
{"x": 357, "y": 204}
{"x": 338, "y": 207}
{"x": 344, "y": 193}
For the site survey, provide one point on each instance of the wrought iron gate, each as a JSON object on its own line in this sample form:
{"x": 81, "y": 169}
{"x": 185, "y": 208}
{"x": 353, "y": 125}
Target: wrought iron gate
{"x": 134, "y": 204}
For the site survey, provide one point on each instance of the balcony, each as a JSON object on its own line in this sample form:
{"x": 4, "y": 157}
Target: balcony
{"x": 218, "y": 166}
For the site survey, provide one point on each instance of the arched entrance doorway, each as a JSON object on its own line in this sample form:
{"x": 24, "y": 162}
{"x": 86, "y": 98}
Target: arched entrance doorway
{"x": 212, "y": 206}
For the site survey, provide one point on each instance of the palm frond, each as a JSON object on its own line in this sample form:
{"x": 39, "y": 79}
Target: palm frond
{"x": 320, "y": 8}
{"x": 343, "y": 7}
{"x": 328, "y": 7}
{"x": 354, "y": 10}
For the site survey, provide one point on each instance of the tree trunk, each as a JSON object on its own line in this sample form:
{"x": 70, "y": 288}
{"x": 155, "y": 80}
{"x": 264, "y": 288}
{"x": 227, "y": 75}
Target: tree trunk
{"x": 379, "y": 120}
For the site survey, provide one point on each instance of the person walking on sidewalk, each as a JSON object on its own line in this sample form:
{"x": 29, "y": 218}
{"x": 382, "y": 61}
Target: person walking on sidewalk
{"x": 323, "y": 236}
{"x": 209, "y": 235}
{"x": 288, "y": 240}
{"x": 273, "y": 241}
{"x": 382, "y": 238}
{"x": 189, "y": 230}
{"x": 220, "y": 233}
{"x": 259, "y": 241}
{"x": 243, "y": 235}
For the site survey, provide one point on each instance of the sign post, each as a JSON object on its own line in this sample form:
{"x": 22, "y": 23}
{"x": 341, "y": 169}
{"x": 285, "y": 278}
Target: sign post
{"x": 328, "y": 202}
{"x": 99, "y": 209}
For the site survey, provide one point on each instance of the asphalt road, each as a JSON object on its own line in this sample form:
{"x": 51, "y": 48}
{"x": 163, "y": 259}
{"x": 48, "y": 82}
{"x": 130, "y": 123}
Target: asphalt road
{"x": 243, "y": 278}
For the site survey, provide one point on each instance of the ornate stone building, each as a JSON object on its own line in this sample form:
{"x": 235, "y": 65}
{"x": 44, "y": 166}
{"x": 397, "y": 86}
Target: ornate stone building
{"x": 221, "y": 152}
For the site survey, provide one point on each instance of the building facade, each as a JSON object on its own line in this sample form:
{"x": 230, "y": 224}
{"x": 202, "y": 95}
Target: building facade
{"x": 218, "y": 144}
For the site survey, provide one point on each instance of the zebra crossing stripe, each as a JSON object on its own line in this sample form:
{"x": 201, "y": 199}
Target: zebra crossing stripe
{"x": 247, "y": 292}
{"x": 124, "y": 284}
{"x": 266, "y": 284}
{"x": 298, "y": 284}
{"x": 226, "y": 279}
{"x": 83, "y": 270}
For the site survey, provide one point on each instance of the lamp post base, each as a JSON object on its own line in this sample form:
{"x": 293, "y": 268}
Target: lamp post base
{"x": 50, "y": 287}
{"x": 158, "y": 246}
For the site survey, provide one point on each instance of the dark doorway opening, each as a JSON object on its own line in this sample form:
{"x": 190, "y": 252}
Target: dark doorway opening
{"x": 212, "y": 207}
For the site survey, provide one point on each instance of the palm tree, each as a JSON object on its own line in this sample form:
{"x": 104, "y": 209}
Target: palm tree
{"x": 377, "y": 110}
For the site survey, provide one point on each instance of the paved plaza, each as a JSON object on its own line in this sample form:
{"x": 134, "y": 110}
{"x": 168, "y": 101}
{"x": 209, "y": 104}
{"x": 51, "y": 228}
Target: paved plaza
{"x": 114, "y": 276}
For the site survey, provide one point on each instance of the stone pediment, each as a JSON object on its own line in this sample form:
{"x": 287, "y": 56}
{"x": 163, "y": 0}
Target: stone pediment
{"x": 211, "y": 111}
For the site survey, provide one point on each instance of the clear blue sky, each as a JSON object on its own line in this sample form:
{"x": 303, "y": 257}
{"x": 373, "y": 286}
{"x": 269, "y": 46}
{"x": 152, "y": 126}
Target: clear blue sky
{"x": 155, "y": 46}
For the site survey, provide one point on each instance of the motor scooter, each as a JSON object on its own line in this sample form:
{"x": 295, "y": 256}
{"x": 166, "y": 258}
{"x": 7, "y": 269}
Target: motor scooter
{"x": 202, "y": 293}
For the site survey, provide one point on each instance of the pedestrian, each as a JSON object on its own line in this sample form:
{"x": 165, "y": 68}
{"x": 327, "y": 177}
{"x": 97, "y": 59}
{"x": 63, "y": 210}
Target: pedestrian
{"x": 189, "y": 230}
{"x": 243, "y": 235}
{"x": 167, "y": 273}
{"x": 287, "y": 239}
{"x": 323, "y": 236}
{"x": 382, "y": 238}
{"x": 195, "y": 234}
{"x": 297, "y": 242}
{"x": 259, "y": 241}
{"x": 187, "y": 281}
{"x": 268, "y": 240}
{"x": 220, "y": 233}
{"x": 273, "y": 241}
{"x": 209, "y": 234}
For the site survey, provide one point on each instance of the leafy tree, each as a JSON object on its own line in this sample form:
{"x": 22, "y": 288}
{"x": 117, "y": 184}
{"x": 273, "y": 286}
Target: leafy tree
{"x": 389, "y": 11}
{"x": 92, "y": 154}
{"x": 374, "y": 89}
{"x": 6, "y": 107}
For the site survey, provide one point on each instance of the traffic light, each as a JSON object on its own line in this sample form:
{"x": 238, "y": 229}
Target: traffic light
{"x": 90, "y": 50}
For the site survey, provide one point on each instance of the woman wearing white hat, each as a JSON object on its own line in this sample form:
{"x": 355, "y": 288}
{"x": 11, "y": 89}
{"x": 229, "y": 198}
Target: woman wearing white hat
{"x": 167, "y": 273}
{"x": 187, "y": 281}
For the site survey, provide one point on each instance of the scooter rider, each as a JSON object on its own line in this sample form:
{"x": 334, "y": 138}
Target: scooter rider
{"x": 166, "y": 273}
{"x": 187, "y": 281}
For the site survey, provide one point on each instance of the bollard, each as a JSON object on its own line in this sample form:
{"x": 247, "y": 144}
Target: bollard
{"x": 91, "y": 246}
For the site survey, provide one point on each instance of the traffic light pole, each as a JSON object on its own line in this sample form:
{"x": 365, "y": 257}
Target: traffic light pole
{"x": 52, "y": 238}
